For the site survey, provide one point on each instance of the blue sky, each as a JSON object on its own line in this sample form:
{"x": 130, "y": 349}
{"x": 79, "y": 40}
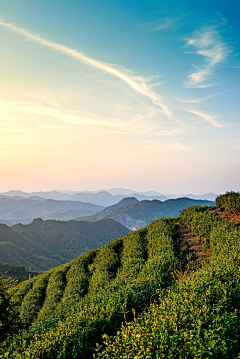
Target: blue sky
{"x": 134, "y": 94}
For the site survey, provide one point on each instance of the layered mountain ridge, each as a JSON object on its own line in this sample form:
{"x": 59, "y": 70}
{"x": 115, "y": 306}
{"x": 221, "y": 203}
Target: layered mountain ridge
{"x": 22, "y": 207}
{"x": 135, "y": 214}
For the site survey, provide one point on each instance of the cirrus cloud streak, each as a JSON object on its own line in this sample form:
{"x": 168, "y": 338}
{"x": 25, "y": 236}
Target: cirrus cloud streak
{"x": 207, "y": 43}
{"x": 134, "y": 82}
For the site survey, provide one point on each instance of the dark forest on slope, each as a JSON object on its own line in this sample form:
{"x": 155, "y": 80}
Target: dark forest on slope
{"x": 42, "y": 245}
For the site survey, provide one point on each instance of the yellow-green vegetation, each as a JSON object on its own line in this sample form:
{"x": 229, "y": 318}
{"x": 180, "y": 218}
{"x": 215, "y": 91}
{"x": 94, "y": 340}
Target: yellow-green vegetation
{"x": 128, "y": 299}
{"x": 197, "y": 317}
{"x": 8, "y": 321}
{"x": 63, "y": 312}
{"x": 19, "y": 273}
{"x": 230, "y": 202}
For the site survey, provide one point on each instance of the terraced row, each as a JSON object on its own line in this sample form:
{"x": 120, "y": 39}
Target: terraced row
{"x": 64, "y": 312}
{"x": 198, "y": 317}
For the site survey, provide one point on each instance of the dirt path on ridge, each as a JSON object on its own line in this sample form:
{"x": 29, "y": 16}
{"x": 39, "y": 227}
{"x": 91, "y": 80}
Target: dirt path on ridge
{"x": 193, "y": 244}
{"x": 229, "y": 217}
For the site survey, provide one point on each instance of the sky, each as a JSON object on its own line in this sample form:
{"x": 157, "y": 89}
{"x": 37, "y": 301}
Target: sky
{"x": 136, "y": 94}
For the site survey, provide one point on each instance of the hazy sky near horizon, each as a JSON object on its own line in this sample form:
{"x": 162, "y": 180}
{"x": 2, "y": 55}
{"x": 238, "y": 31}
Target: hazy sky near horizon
{"x": 135, "y": 94}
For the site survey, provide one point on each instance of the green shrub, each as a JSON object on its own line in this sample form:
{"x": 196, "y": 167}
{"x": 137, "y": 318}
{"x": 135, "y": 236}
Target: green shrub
{"x": 230, "y": 201}
{"x": 77, "y": 305}
{"x": 198, "y": 317}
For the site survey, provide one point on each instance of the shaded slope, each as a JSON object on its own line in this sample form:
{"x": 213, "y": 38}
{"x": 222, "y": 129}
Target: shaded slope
{"x": 151, "y": 210}
{"x": 45, "y": 244}
{"x": 19, "y": 273}
{"x": 14, "y": 255}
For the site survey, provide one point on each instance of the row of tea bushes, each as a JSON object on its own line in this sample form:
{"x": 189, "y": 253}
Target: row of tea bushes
{"x": 230, "y": 202}
{"x": 93, "y": 294}
{"x": 198, "y": 317}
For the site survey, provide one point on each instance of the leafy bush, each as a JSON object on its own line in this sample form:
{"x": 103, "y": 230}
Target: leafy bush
{"x": 67, "y": 309}
{"x": 230, "y": 201}
{"x": 198, "y": 317}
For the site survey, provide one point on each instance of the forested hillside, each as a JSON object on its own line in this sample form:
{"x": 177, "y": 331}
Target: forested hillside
{"x": 19, "y": 273}
{"x": 42, "y": 245}
{"x": 169, "y": 290}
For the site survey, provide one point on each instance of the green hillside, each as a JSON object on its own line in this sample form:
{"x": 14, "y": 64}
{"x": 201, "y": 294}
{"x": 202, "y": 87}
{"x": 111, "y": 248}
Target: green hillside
{"x": 198, "y": 317}
{"x": 66, "y": 310}
{"x": 14, "y": 255}
{"x": 169, "y": 290}
{"x": 20, "y": 212}
{"x": 42, "y": 245}
{"x": 16, "y": 272}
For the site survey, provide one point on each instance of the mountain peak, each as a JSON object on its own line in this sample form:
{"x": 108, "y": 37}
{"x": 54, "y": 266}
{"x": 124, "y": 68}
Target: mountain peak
{"x": 128, "y": 200}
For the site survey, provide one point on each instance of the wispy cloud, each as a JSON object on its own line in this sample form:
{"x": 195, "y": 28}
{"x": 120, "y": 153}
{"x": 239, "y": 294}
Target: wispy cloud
{"x": 157, "y": 25}
{"x": 207, "y": 118}
{"x": 31, "y": 115}
{"x": 22, "y": 110}
{"x": 135, "y": 83}
{"x": 237, "y": 144}
{"x": 207, "y": 43}
{"x": 199, "y": 100}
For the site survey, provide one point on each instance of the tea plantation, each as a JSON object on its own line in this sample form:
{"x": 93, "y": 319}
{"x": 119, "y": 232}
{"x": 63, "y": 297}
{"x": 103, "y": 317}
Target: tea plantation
{"x": 140, "y": 296}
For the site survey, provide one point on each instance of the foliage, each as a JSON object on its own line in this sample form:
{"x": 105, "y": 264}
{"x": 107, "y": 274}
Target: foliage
{"x": 64, "y": 311}
{"x": 8, "y": 317}
{"x": 135, "y": 280}
{"x": 199, "y": 220}
{"x": 230, "y": 201}
{"x": 18, "y": 272}
{"x": 198, "y": 317}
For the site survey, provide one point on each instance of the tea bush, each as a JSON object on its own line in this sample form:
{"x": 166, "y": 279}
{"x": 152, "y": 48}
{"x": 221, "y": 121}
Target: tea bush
{"x": 70, "y": 307}
{"x": 198, "y": 316}
{"x": 230, "y": 201}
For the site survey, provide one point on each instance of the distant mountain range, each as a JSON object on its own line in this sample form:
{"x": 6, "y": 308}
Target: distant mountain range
{"x": 22, "y": 207}
{"x": 102, "y": 197}
{"x": 135, "y": 214}
{"x": 44, "y": 244}
{"x": 23, "y": 210}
